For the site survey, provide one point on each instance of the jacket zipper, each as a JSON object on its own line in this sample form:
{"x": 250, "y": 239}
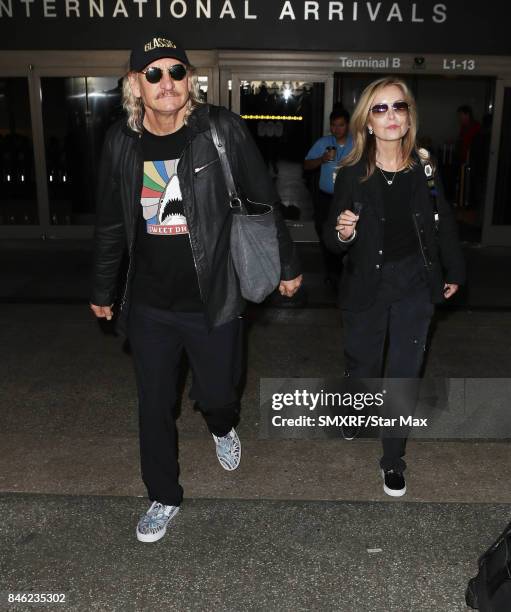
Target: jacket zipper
{"x": 196, "y": 269}
{"x": 189, "y": 145}
{"x": 123, "y": 301}
{"x": 426, "y": 264}
{"x": 201, "y": 168}
{"x": 132, "y": 245}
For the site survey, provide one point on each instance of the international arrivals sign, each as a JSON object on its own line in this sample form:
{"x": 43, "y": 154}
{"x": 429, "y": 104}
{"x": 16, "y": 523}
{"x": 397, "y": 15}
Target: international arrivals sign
{"x": 423, "y": 26}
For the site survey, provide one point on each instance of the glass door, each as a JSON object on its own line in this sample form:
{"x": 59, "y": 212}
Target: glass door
{"x": 77, "y": 111}
{"x": 18, "y": 190}
{"x": 286, "y": 115}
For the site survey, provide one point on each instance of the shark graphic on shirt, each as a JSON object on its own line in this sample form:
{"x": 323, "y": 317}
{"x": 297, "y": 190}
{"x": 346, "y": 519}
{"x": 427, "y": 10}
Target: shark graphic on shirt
{"x": 162, "y": 202}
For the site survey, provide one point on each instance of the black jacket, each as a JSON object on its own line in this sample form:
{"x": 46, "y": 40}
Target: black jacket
{"x": 206, "y": 208}
{"x": 440, "y": 249}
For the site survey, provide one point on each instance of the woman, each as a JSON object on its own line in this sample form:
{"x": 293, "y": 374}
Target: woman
{"x": 399, "y": 260}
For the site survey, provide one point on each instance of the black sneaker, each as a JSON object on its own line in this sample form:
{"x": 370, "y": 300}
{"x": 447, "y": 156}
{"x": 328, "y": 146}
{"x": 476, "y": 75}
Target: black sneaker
{"x": 349, "y": 432}
{"x": 393, "y": 483}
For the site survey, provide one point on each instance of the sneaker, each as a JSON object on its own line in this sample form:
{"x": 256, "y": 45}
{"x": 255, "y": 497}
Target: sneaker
{"x": 228, "y": 450}
{"x": 153, "y": 524}
{"x": 393, "y": 483}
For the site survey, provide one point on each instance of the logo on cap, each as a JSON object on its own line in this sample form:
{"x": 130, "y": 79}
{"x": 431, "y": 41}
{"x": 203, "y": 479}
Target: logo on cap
{"x": 159, "y": 42}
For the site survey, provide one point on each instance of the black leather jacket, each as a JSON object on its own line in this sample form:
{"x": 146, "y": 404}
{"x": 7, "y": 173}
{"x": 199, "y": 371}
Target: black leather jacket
{"x": 439, "y": 246}
{"x": 206, "y": 208}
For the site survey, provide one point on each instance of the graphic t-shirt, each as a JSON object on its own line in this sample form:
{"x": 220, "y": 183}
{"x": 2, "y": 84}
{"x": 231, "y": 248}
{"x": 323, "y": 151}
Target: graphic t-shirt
{"x": 165, "y": 274}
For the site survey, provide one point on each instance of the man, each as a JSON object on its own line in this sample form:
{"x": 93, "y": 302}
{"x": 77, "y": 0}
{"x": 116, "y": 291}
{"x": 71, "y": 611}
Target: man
{"x": 326, "y": 153}
{"x": 162, "y": 194}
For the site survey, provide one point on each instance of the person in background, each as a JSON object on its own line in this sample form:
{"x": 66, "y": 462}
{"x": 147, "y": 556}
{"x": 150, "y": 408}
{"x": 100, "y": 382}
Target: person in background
{"x": 470, "y": 177}
{"x": 469, "y": 128}
{"x": 326, "y": 153}
{"x": 399, "y": 260}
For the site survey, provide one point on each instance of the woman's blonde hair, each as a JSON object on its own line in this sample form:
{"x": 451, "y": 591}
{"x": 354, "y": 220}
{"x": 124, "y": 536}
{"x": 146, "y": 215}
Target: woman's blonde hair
{"x": 135, "y": 108}
{"x": 364, "y": 144}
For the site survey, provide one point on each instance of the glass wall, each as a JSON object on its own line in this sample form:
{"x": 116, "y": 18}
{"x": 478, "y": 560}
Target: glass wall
{"x": 18, "y": 199}
{"x": 502, "y": 210}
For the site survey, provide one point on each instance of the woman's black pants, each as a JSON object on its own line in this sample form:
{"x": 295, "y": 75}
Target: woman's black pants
{"x": 399, "y": 318}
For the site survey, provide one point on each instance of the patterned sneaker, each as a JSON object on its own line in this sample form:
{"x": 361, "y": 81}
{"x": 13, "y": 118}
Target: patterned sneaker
{"x": 393, "y": 483}
{"x": 228, "y": 450}
{"x": 153, "y": 524}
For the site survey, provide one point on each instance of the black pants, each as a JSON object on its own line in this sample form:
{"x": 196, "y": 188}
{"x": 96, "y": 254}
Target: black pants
{"x": 400, "y": 314}
{"x": 157, "y": 338}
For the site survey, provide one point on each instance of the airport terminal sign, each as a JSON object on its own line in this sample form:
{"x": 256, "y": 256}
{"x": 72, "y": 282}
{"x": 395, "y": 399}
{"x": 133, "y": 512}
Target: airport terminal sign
{"x": 424, "y": 26}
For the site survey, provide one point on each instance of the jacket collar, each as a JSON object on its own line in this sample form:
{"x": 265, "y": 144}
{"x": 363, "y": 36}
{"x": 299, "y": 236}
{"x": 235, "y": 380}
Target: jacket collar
{"x": 199, "y": 119}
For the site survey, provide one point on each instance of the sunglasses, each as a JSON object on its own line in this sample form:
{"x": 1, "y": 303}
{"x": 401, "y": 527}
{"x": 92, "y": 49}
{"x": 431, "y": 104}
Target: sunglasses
{"x": 177, "y": 72}
{"x": 398, "y": 107}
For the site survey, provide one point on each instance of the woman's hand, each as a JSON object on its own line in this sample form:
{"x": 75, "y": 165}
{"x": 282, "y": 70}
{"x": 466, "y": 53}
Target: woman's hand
{"x": 450, "y": 289}
{"x": 346, "y": 223}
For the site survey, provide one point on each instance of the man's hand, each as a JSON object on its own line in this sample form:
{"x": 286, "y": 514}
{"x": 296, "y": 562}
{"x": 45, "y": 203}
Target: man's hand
{"x": 102, "y": 312}
{"x": 290, "y": 287}
{"x": 450, "y": 289}
{"x": 346, "y": 223}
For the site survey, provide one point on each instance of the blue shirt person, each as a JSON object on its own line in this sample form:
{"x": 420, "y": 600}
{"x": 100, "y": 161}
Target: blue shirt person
{"x": 328, "y": 159}
{"x": 341, "y": 142}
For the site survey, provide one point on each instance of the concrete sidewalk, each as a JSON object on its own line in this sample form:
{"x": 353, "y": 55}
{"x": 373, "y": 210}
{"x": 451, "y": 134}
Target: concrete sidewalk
{"x": 245, "y": 555}
{"x": 289, "y": 530}
{"x": 333, "y": 470}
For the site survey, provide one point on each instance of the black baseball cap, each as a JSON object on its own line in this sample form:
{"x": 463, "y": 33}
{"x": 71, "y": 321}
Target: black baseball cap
{"x": 154, "y": 48}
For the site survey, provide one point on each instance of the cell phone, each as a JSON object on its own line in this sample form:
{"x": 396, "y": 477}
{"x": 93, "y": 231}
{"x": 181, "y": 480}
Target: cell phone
{"x": 357, "y": 208}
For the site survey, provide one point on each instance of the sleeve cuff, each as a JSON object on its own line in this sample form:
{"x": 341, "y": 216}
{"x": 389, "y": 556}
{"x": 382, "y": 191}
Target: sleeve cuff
{"x": 350, "y": 239}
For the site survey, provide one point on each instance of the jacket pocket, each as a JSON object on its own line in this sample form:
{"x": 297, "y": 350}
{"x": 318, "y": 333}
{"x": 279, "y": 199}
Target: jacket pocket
{"x": 199, "y": 169}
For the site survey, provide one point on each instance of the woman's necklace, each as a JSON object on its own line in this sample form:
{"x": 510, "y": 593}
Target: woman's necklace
{"x": 389, "y": 181}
